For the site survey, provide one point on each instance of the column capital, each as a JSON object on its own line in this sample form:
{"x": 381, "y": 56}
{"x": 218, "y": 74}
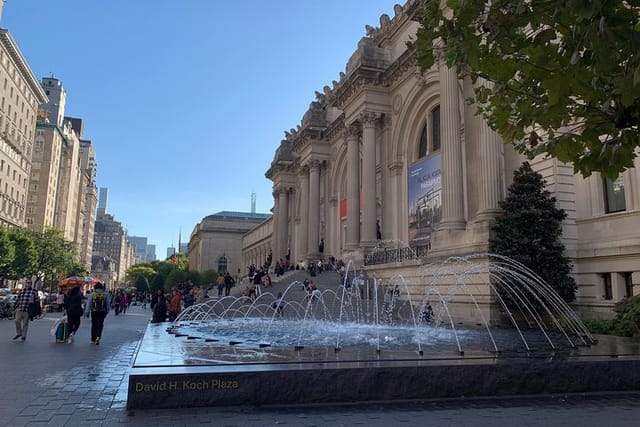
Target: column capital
{"x": 313, "y": 164}
{"x": 353, "y": 130}
{"x": 369, "y": 118}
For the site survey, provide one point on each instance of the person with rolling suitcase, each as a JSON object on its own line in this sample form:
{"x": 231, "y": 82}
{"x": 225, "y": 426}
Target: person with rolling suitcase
{"x": 73, "y": 307}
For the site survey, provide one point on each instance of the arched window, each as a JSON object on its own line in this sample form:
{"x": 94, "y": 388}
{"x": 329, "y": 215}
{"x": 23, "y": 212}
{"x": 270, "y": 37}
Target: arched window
{"x": 422, "y": 148}
{"x": 222, "y": 264}
{"x": 430, "y": 135}
{"x": 435, "y": 126}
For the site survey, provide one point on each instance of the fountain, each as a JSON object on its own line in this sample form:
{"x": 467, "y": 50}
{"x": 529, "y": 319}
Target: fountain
{"x": 371, "y": 339}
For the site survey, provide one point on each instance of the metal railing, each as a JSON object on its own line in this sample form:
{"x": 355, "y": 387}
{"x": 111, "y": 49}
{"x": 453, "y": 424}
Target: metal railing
{"x": 387, "y": 255}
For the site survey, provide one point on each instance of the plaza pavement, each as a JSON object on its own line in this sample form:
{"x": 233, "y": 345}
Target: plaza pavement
{"x": 79, "y": 384}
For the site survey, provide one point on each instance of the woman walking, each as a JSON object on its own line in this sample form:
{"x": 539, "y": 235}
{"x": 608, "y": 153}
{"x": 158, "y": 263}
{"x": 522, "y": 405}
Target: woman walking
{"x": 73, "y": 306}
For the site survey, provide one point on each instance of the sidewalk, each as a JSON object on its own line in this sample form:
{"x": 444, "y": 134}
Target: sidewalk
{"x": 79, "y": 384}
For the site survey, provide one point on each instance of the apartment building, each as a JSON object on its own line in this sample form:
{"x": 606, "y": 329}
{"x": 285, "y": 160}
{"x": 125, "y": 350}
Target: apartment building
{"x": 20, "y": 96}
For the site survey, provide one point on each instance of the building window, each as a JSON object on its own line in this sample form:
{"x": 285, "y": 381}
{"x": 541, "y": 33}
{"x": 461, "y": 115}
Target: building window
{"x": 222, "y": 264}
{"x": 435, "y": 126}
{"x": 614, "y": 195}
{"x": 608, "y": 290}
{"x": 628, "y": 284}
{"x": 430, "y": 142}
{"x": 422, "y": 148}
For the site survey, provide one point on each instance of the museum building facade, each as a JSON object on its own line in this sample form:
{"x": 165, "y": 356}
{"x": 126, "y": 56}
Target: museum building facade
{"x": 391, "y": 159}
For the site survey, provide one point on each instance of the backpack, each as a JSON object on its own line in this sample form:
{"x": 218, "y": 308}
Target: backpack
{"x": 99, "y": 302}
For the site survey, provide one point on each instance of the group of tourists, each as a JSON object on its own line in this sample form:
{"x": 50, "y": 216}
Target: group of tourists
{"x": 95, "y": 305}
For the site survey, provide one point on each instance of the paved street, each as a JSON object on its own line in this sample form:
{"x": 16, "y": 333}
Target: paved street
{"x": 49, "y": 384}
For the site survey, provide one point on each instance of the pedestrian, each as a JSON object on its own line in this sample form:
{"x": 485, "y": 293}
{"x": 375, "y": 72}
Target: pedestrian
{"x": 220, "y": 281}
{"x": 97, "y": 306}
{"x": 175, "y": 305}
{"x": 27, "y": 296}
{"x": 278, "y": 304}
{"x": 73, "y": 306}
{"x": 159, "y": 309}
{"x": 228, "y": 284}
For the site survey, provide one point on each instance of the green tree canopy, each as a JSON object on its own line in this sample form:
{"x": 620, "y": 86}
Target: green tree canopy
{"x": 554, "y": 77}
{"x": 145, "y": 271}
{"x": 7, "y": 253}
{"x": 56, "y": 257}
{"x": 529, "y": 231}
{"x": 26, "y": 255}
{"x": 208, "y": 276}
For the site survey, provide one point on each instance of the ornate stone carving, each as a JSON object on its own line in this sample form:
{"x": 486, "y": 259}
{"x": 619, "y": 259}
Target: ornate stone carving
{"x": 354, "y": 130}
{"x": 313, "y": 164}
{"x": 369, "y": 118}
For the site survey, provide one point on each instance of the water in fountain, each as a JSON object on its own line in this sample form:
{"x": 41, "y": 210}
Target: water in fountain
{"x": 374, "y": 318}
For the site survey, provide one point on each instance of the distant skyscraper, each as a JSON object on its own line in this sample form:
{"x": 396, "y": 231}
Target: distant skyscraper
{"x": 140, "y": 243}
{"x": 151, "y": 253}
{"x": 171, "y": 251}
{"x": 102, "y": 200}
{"x": 184, "y": 248}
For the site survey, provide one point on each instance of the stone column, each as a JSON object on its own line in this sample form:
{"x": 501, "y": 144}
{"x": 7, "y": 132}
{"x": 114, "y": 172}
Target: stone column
{"x": 491, "y": 179}
{"x": 395, "y": 170}
{"x": 304, "y": 213}
{"x": 314, "y": 210}
{"x": 369, "y": 212}
{"x": 452, "y": 189}
{"x": 491, "y": 171}
{"x": 334, "y": 227}
{"x": 282, "y": 231}
{"x": 353, "y": 187}
{"x": 387, "y": 190}
{"x": 276, "y": 220}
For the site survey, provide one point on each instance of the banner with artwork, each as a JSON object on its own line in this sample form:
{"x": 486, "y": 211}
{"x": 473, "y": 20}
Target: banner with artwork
{"x": 425, "y": 207}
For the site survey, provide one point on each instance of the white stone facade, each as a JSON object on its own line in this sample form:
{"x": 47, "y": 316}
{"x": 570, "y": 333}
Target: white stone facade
{"x": 341, "y": 177}
{"x": 216, "y": 242}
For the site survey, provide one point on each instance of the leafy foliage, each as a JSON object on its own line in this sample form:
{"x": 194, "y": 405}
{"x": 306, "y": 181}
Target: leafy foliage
{"x": 7, "y": 253}
{"x": 44, "y": 255}
{"x": 554, "y": 77}
{"x": 529, "y": 231}
{"x": 26, "y": 254}
{"x": 626, "y": 323}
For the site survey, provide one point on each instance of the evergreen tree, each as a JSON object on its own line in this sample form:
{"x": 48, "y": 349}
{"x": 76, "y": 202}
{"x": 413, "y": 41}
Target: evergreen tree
{"x": 529, "y": 230}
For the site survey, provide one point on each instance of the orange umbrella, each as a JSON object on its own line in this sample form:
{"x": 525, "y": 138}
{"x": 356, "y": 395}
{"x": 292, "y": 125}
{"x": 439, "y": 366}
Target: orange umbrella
{"x": 72, "y": 281}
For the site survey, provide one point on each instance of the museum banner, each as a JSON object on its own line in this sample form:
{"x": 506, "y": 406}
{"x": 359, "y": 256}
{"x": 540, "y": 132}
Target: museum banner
{"x": 425, "y": 207}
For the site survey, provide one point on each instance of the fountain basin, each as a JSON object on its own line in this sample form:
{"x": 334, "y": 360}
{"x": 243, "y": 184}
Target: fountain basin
{"x": 172, "y": 371}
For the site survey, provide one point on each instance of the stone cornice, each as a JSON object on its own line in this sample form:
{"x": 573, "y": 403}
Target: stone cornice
{"x": 411, "y": 10}
{"x": 353, "y": 84}
{"x": 406, "y": 62}
{"x": 23, "y": 67}
{"x": 336, "y": 129}
{"x": 278, "y": 168}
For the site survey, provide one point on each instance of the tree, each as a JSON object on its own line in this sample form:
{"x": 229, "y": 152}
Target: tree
{"x": 208, "y": 276}
{"x": 55, "y": 255}
{"x": 529, "y": 231}
{"x": 561, "y": 78}
{"x": 26, "y": 255}
{"x": 144, "y": 271}
{"x": 7, "y": 253}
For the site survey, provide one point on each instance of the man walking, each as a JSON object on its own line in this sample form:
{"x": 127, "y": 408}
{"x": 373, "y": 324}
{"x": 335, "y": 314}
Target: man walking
{"x": 97, "y": 305}
{"x": 26, "y": 296}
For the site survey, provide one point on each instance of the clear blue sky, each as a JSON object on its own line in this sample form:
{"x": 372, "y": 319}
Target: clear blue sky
{"x": 186, "y": 101}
